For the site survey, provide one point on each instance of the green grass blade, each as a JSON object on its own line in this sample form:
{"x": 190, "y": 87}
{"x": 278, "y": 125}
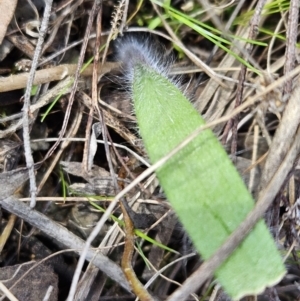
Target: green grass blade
{"x": 136, "y": 231}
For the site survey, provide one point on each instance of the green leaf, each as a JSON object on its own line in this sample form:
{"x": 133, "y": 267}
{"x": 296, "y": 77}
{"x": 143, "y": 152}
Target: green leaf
{"x": 202, "y": 184}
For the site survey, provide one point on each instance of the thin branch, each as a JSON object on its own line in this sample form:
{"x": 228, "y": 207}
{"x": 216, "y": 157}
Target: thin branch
{"x": 291, "y": 40}
{"x": 75, "y": 83}
{"x": 19, "y": 81}
{"x": 26, "y": 135}
{"x": 95, "y": 9}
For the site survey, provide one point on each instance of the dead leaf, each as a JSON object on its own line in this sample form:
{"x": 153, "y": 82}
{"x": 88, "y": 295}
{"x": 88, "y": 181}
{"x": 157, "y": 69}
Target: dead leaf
{"x": 35, "y": 285}
{"x": 9, "y": 154}
{"x": 7, "y": 9}
{"x": 99, "y": 179}
{"x": 10, "y": 181}
{"x": 96, "y": 131}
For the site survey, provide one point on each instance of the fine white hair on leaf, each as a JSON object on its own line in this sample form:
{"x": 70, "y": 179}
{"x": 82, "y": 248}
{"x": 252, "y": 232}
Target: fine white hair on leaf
{"x": 133, "y": 50}
{"x": 136, "y": 49}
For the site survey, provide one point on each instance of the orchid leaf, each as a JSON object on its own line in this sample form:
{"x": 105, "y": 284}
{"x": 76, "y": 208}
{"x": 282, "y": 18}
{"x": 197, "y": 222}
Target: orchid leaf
{"x": 201, "y": 183}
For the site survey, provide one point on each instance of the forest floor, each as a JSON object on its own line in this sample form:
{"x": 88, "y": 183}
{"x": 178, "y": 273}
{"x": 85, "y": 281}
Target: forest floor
{"x": 70, "y": 143}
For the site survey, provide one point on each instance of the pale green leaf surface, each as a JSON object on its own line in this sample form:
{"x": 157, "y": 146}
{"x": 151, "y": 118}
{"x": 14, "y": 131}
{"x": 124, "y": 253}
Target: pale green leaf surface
{"x": 202, "y": 185}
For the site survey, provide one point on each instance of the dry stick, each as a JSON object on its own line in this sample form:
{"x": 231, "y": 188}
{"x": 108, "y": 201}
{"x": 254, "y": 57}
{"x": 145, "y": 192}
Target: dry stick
{"x": 71, "y": 133}
{"x": 291, "y": 40}
{"x": 110, "y": 142}
{"x": 67, "y": 199}
{"x": 60, "y": 72}
{"x": 138, "y": 157}
{"x": 58, "y": 21}
{"x": 114, "y": 31}
{"x": 95, "y": 94}
{"x": 266, "y": 198}
{"x": 124, "y": 17}
{"x": 95, "y": 9}
{"x": 7, "y": 292}
{"x": 68, "y": 11}
{"x": 284, "y": 135}
{"x": 26, "y": 136}
{"x": 64, "y": 236}
{"x": 253, "y": 159}
{"x": 48, "y": 293}
{"x": 7, "y": 231}
{"x": 127, "y": 268}
{"x": 242, "y": 75}
{"x": 68, "y": 47}
{"x": 61, "y": 88}
{"x": 126, "y": 262}
{"x": 270, "y": 64}
{"x": 83, "y": 289}
{"x": 86, "y": 154}
{"x": 160, "y": 272}
{"x": 238, "y": 101}
{"x": 75, "y": 84}
{"x": 86, "y": 149}
{"x": 126, "y": 168}
{"x": 22, "y": 43}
